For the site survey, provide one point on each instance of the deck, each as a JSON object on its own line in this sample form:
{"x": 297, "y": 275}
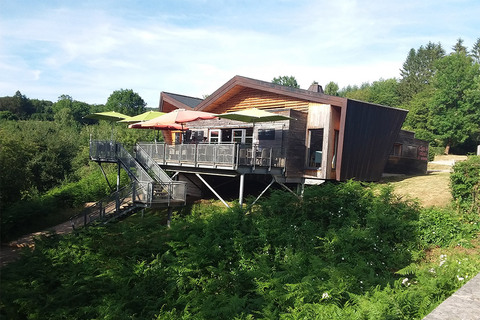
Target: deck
{"x": 228, "y": 158}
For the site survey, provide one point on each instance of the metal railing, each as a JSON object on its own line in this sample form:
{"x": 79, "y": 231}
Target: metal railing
{"x": 106, "y": 208}
{"x": 147, "y": 189}
{"x": 229, "y": 155}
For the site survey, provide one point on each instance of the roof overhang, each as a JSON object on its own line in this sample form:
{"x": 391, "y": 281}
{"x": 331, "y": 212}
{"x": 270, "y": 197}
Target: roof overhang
{"x": 238, "y": 83}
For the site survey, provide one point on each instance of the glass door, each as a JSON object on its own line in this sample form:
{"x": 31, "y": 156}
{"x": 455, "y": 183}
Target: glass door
{"x": 238, "y": 136}
{"x": 315, "y": 148}
{"x": 214, "y": 136}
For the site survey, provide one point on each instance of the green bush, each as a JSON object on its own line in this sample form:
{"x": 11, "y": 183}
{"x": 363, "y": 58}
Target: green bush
{"x": 443, "y": 227}
{"x": 465, "y": 183}
{"x": 434, "y": 151}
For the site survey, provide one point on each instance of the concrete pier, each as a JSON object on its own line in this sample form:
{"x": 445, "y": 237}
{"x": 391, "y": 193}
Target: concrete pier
{"x": 464, "y": 304}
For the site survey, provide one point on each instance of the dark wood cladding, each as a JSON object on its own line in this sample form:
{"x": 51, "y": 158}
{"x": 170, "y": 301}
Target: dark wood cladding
{"x": 369, "y": 132}
{"x": 295, "y": 145}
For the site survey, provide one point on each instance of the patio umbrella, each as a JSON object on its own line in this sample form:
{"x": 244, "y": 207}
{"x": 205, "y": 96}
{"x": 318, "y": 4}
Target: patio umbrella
{"x": 253, "y": 115}
{"x": 143, "y": 117}
{"x": 111, "y": 116}
{"x": 178, "y": 116}
{"x": 174, "y": 120}
{"x": 107, "y": 115}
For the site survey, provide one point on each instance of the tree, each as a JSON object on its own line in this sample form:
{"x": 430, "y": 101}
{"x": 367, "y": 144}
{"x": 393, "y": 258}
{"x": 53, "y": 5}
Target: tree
{"x": 126, "y": 101}
{"x": 288, "y": 81}
{"x": 418, "y": 69}
{"x": 331, "y": 88}
{"x": 459, "y": 47}
{"x": 19, "y": 105}
{"x": 455, "y": 107}
{"x": 385, "y": 92}
{"x": 361, "y": 93}
{"x": 476, "y": 51}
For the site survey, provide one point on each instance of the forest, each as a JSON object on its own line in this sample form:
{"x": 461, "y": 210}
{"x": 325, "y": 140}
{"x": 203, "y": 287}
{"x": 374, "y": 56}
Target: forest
{"x": 362, "y": 254}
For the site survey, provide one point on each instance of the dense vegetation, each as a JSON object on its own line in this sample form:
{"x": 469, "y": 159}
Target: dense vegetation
{"x": 44, "y": 159}
{"x": 345, "y": 251}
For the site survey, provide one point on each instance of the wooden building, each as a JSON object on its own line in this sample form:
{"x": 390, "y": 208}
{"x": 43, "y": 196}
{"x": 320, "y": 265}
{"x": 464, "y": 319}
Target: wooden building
{"x": 327, "y": 137}
{"x": 321, "y": 138}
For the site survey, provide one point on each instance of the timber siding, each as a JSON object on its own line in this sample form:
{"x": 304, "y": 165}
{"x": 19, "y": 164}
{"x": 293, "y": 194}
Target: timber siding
{"x": 296, "y": 145}
{"x": 253, "y": 98}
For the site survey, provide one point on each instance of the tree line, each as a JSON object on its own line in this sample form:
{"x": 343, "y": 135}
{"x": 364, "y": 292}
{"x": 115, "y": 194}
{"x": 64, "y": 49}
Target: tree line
{"x": 44, "y": 144}
{"x": 440, "y": 90}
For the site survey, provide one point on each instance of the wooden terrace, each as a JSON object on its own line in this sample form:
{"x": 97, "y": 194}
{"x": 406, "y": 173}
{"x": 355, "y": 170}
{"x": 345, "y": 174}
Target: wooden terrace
{"x": 231, "y": 158}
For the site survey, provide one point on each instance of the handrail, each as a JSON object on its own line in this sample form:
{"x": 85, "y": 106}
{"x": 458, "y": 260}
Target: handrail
{"x": 159, "y": 190}
{"x": 104, "y": 208}
{"x": 231, "y": 155}
{"x": 142, "y": 156}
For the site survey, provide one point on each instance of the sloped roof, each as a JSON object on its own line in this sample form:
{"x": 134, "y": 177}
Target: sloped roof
{"x": 238, "y": 83}
{"x": 178, "y": 100}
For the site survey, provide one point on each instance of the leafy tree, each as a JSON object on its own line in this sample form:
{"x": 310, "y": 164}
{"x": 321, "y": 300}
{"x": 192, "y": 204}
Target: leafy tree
{"x": 126, "y": 101}
{"x": 43, "y": 109}
{"x": 19, "y": 105}
{"x": 418, "y": 69}
{"x": 455, "y": 106}
{"x": 385, "y": 92}
{"x": 288, "y": 81}
{"x": 359, "y": 93}
{"x": 331, "y": 88}
{"x": 64, "y": 101}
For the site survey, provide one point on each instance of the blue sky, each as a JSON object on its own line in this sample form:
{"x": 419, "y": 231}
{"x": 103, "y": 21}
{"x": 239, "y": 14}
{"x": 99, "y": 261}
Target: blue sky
{"x": 87, "y": 49}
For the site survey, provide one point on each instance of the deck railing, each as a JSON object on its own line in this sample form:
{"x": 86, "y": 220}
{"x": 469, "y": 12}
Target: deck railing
{"x": 229, "y": 155}
{"x": 146, "y": 190}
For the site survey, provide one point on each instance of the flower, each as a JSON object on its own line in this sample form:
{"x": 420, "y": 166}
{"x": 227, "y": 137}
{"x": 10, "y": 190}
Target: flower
{"x": 443, "y": 259}
{"x": 325, "y": 295}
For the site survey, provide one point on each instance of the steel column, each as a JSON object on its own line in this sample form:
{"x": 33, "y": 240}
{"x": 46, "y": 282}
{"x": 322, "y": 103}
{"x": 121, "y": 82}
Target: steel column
{"x": 240, "y": 192}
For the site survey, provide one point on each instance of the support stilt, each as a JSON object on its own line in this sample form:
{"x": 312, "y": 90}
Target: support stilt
{"x": 105, "y": 175}
{"x": 289, "y": 190}
{"x": 213, "y": 190}
{"x": 169, "y": 217}
{"x": 240, "y": 192}
{"x": 261, "y": 194}
{"x": 117, "y": 197}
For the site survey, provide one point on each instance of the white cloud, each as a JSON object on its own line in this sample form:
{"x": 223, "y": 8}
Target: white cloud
{"x": 185, "y": 47}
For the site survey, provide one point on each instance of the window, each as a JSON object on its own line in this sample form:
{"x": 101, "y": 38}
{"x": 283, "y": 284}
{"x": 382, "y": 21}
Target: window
{"x": 315, "y": 147}
{"x": 243, "y": 136}
{"x": 214, "y": 136}
{"x": 397, "y": 150}
{"x": 266, "y": 134}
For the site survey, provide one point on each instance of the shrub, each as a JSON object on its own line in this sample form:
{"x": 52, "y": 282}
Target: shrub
{"x": 465, "y": 183}
{"x": 443, "y": 227}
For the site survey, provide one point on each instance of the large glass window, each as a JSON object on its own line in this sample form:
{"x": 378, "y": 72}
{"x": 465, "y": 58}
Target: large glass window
{"x": 243, "y": 136}
{"x": 315, "y": 147}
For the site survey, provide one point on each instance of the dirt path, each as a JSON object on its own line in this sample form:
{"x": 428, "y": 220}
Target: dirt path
{"x": 10, "y": 251}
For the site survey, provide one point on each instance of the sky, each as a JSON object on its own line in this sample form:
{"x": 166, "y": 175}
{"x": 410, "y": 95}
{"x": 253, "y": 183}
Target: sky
{"x": 88, "y": 49}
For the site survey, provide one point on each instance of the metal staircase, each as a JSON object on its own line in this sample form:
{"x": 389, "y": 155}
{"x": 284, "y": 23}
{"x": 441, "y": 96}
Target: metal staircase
{"x": 150, "y": 186}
